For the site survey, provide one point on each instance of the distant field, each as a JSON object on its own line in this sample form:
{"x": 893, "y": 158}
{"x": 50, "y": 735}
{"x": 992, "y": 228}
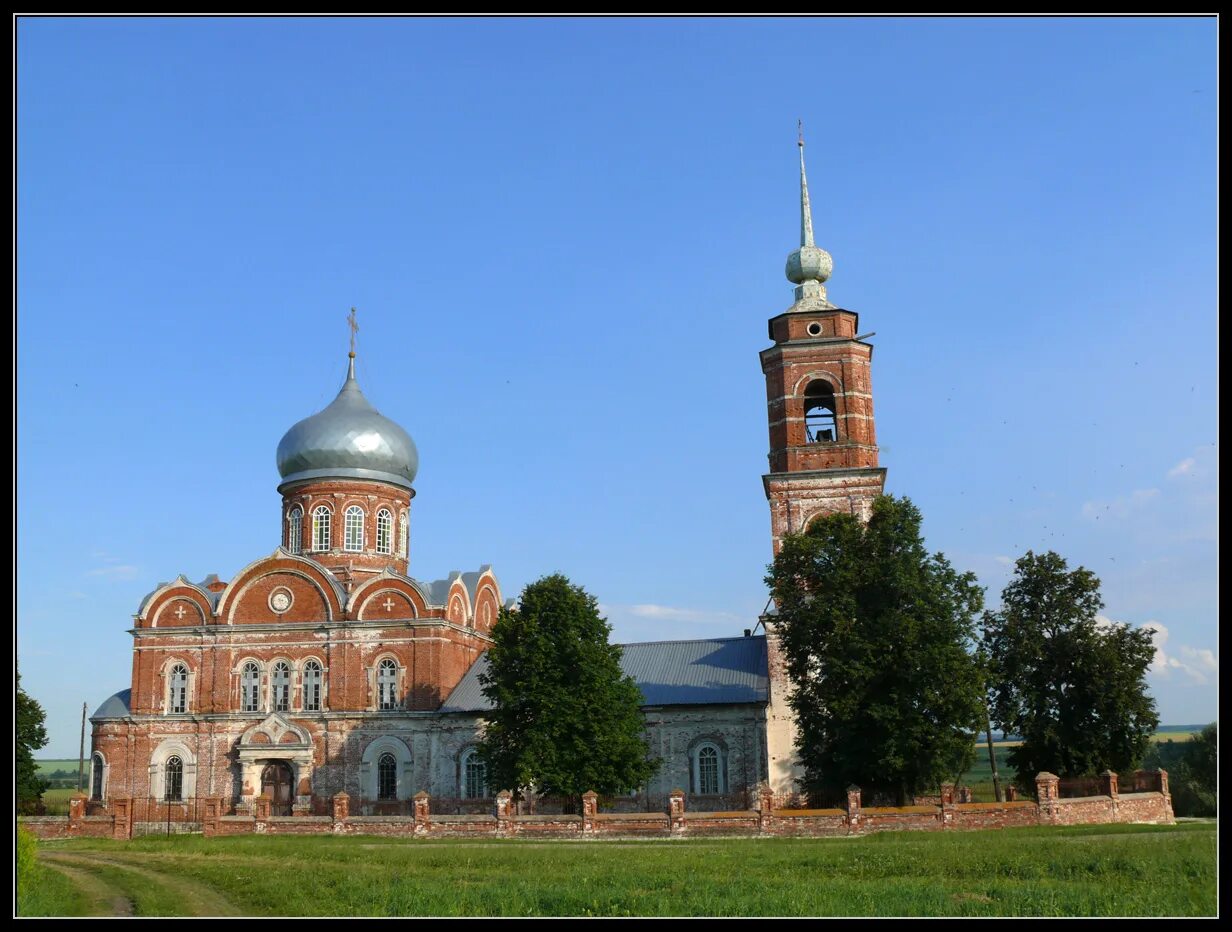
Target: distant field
{"x": 1094, "y": 870}
{"x": 56, "y": 801}
{"x": 48, "y": 766}
{"x": 979, "y": 777}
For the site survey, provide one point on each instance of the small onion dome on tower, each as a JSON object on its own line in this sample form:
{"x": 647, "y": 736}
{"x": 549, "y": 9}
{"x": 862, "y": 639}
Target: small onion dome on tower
{"x": 808, "y": 266}
{"x": 349, "y": 439}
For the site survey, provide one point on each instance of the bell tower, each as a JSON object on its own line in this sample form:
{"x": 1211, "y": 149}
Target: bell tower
{"x": 819, "y": 398}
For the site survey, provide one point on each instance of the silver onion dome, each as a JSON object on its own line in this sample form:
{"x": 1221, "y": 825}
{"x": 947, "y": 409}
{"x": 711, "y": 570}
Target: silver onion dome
{"x": 349, "y": 439}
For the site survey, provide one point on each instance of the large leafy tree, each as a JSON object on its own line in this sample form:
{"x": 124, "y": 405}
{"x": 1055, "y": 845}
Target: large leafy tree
{"x": 878, "y": 637}
{"x": 565, "y": 718}
{"x": 1072, "y": 688}
{"x": 31, "y": 735}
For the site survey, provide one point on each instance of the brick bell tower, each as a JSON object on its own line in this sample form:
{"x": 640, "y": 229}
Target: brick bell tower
{"x": 823, "y": 448}
{"x": 819, "y": 398}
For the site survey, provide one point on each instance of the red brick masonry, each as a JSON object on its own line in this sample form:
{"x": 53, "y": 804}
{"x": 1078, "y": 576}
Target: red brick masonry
{"x": 1049, "y": 808}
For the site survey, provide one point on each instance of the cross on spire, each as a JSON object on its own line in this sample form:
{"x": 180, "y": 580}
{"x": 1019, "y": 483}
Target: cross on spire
{"x": 354, "y": 329}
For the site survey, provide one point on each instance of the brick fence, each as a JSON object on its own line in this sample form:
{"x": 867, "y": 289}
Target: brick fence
{"x": 1153, "y": 804}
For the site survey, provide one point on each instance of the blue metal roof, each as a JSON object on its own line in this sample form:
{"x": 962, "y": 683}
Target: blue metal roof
{"x": 713, "y": 671}
{"x": 118, "y": 706}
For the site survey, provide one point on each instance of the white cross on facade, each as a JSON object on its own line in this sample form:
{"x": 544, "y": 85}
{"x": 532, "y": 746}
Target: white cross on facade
{"x": 389, "y": 604}
{"x": 179, "y": 611}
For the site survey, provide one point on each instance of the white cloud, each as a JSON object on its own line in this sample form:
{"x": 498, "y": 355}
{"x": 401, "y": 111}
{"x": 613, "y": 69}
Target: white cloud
{"x": 1184, "y": 468}
{"x": 1198, "y": 664}
{"x": 120, "y": 571}
{"x": 667, "y": 612}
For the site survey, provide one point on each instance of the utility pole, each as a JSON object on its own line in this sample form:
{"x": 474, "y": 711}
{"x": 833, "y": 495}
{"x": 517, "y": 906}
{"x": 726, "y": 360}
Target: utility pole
{"x": 81, "y": 750}
{"x": 992, "y": 758}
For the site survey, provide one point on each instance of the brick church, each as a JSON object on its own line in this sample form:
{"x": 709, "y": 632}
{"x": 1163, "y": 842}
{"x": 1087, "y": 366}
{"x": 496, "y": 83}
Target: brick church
{"x": 326, "y": 666}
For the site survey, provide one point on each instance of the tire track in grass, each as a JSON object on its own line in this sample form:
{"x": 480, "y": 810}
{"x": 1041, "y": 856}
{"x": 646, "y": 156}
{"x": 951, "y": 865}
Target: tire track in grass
{"x": 196, "y": 899}
{"x": 102, "y": 899}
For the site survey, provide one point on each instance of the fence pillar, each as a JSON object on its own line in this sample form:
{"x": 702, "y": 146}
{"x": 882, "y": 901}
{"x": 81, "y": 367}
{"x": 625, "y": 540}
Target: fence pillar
{"x": 1163, "y": 782}
{"x": 122, "y": 818}
{"x": 261, "y": 813}
{"x": 853, "y": 810}
{"x": 675, "y": 811}
{"x": 504, "y": 813}
{"x": 765, "y": 817}
{"x": 1047, "y": 792}
{"x": 209, "y": 822}
{"x": 946, "y": 814}
{"x": 964, "y": 794}
{"x": 341, "y": 811}
{"x": 1109, "y": 784}
{"x": 1011, "y": 793}
{"x": 590, "y": 809}
{"x": 423, "y": 816}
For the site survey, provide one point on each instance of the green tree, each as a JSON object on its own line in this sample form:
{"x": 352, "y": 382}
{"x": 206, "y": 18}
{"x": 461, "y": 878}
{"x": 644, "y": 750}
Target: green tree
{"x": 565, "y": 718}
{"x": 878, "y": 639}
{"x": 1073, "y": 689}
{"x": 31, "y": 735}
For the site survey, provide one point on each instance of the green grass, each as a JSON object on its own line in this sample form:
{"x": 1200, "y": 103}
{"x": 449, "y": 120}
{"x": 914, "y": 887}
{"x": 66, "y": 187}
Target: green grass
{"x": 1081, "y": 871}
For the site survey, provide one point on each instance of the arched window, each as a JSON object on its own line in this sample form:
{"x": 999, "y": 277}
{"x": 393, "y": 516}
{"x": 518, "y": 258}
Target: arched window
{"x": 820, "y": 420}
{"x": 387, "y": 777}
{"x": 709, "y": 772}
{"x": 312, "y": 686}
{"x": 295, "y": 530}
{"x": 320, "y": 527}
{"x": 387, "y": 684}
{"x": 384, "y": 531}
{"x": 474, "y": 776}
{"x": 178, "y": 694}
{"x": 250, "y": 687}
{"x": 282, "y": 687}
{"x": 173, "y": 779}
{"x": 354, "y": 527}
{"x": 96, "y": 776}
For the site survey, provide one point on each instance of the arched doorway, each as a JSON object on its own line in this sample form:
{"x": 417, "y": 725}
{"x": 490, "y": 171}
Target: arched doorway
{"x": 277, "y": 784}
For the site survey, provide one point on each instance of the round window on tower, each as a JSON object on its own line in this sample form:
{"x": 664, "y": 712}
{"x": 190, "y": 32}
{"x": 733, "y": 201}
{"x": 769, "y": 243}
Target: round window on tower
{"x": 814, "y": 329}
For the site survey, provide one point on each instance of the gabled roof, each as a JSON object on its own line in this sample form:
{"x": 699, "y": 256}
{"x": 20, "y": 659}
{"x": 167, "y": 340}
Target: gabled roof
{"x": 707, "y": 672}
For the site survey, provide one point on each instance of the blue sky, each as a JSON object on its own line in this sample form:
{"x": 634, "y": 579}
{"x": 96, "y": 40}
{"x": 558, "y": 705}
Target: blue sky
{"x": 564, "y": 239}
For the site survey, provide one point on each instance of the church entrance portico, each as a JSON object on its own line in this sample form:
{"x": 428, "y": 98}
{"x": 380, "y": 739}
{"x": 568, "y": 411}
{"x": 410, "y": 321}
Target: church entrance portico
{"x": 276, "y": 760}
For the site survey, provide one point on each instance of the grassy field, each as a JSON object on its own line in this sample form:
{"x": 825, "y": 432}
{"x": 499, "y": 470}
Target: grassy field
{"x": 1118, "y": 870}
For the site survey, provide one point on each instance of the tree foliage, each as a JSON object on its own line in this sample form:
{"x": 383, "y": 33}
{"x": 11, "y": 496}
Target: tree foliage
{"x": 31, "y": 735}
{"x": 877, "y": 636}
{"x": 565, "y": 718}
{"x": 1072, "y": 688}
{"x": 1193, "y": 771}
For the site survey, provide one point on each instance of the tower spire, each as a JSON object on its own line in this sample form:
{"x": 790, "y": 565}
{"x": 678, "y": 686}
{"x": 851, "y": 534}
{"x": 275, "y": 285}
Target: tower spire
{"x": 808, "y": 267}
{"x": 351, "y": 355}
{"x": 806, "y": 210}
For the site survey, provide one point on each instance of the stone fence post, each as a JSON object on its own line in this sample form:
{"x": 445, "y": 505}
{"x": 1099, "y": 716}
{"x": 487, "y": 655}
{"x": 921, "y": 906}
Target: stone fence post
{"x": 1108, "y": 784}
{"x": 853, "y": 810}
{"x": 342, "y": 811}
{"x": 1011, "y": 793}
{"x": 209, "y": 822}
{"x": 423, "y": 815}
{"x": 590, "y": 809}
{"x": 675, "y": 811}
{"x": 1163, "y": 782}
{"x": 1047, "y": 792}
{"x": 946, "y": 815}
{"x": 76, "y": 812}
{"x": 765, "y": 817}
{"x": 261, "y": 813}
{"x": 122, "y": 818}
{"x": 964, "y": 794}
{"x": 504, "y": 813}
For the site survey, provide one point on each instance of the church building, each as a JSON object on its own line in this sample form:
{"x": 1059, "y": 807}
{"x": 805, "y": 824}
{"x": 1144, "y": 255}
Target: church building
{"x": 325, "y": 666}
